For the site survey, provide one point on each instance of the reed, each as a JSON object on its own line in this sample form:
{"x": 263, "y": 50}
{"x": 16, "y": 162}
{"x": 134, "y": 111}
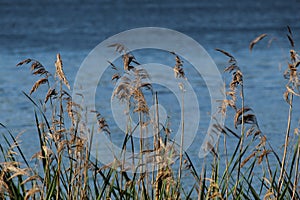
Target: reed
{"x": 63, "y": 168}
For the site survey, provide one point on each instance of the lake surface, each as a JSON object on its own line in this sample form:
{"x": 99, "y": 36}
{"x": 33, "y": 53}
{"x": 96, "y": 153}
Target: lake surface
{"x": 41, "y": 29}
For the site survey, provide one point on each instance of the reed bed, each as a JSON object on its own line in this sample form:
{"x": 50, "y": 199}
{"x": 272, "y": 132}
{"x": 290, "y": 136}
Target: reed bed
{"x": 63, "y": 167}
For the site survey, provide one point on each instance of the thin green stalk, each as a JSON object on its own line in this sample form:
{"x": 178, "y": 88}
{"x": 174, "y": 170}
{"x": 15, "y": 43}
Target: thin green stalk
{"x": 296, "y": 179}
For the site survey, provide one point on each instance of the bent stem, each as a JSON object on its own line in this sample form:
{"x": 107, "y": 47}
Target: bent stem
{"x": 287, "y": 135}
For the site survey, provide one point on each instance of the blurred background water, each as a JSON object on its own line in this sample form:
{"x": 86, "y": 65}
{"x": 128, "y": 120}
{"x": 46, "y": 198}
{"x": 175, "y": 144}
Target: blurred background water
{"x": 40, "y": 29}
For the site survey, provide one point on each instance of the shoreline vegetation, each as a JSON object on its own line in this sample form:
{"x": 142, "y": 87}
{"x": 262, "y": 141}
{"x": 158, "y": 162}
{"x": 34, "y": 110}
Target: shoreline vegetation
{"x": 63, "y": 167}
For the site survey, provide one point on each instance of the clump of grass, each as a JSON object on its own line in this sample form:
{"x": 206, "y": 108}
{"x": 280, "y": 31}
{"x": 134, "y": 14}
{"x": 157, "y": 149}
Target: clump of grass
{"x": 64, "y": 169}
{"x": 288, "y": 181}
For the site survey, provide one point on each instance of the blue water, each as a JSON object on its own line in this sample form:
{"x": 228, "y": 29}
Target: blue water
{"x": 41, "y": 29}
